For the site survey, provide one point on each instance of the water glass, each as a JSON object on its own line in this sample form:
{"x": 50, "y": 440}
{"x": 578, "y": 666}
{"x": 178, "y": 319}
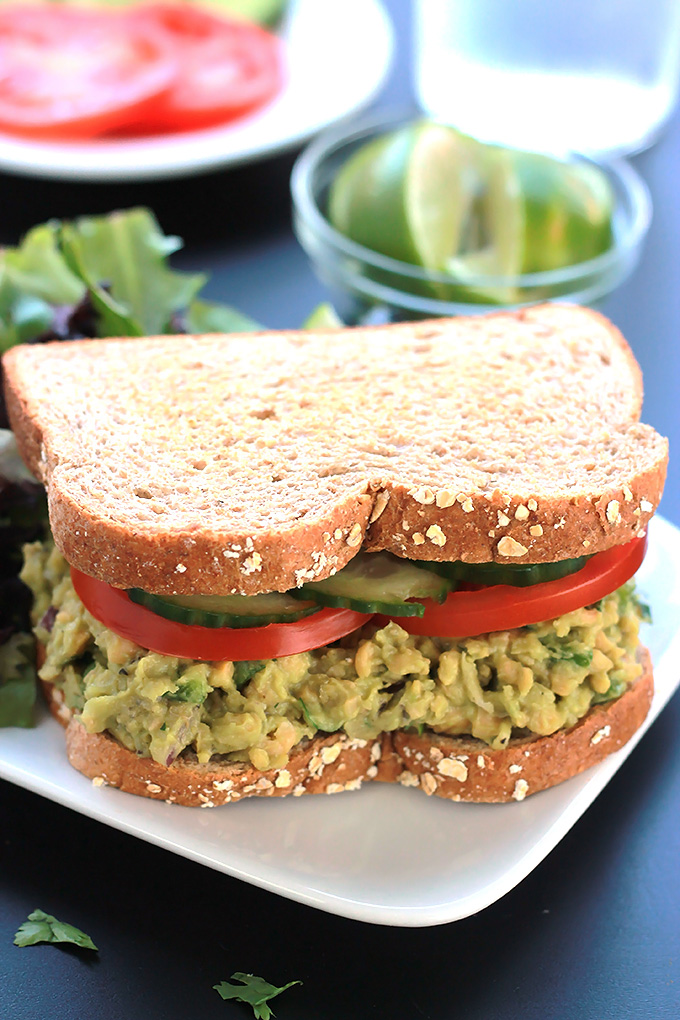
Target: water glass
{"x": 592, "y": 76}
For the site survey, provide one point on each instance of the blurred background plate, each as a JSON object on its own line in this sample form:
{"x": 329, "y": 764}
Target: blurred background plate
{"x": 338, "y": 54}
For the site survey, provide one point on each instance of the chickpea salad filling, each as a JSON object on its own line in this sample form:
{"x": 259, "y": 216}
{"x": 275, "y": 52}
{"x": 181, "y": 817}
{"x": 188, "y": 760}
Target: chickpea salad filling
{"x": 523, "y": 682}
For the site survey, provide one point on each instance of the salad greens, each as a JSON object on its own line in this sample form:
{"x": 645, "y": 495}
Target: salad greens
{"x": 23, "y": 518}
{"x": 122, "y": 260}
{"x": 324, "y": 316}
{"x": 17, "y": 680}
{"x": 42, "y": 927}
{"x": 254, "y": 991}
{"x": 101, "y": 276}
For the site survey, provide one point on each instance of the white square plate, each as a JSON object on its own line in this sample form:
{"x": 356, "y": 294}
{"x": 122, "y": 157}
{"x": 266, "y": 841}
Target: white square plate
{"x": 386, "y": 854}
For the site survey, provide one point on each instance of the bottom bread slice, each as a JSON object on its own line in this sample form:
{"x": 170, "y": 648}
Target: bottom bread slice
{"x": 458, "y": 768}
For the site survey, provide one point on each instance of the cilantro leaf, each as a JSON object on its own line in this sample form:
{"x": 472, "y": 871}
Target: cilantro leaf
{"x": 42, "y": 927}
{"x": 194, "y": 690}
{"x": 254, "y": 991}
{"x": 305, "y": 712}
{"x": 33, "y": 930}
{"x": 616, "y": 688}
{"x": 245, "y": 670}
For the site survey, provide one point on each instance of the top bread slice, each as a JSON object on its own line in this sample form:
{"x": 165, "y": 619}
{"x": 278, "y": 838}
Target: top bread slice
{"x": 256, "y": 462}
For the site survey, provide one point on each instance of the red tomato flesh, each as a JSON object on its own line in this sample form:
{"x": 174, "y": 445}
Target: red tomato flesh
{"x": 501, "y": 607}
{"x": 112, "y": 607}
{"x": 71, "y": 73}
{"x": 475, "y": 610}
{"x": 225, "y": 67}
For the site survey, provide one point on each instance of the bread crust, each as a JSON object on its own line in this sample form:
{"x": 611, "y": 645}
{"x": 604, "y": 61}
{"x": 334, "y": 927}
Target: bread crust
{"x": 414, "y": 508}
{"x": 456, "y": 768}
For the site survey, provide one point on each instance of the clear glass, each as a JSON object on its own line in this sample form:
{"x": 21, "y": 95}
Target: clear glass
{"x": 592, "y": 76}
{"x": 365, "y": 286}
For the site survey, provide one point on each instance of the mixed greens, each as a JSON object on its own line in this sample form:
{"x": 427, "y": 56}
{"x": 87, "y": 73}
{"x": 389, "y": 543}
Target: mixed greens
{"x": 101, "y": 276}
{"x": 23, "y": 518}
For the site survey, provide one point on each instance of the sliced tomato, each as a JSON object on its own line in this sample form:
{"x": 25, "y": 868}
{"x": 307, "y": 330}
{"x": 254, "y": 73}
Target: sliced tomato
{"x": 225, "y": 67}
{"x": 70, "y": 72}
{"x": 112, "y": 607}
{"x": 501, "y": 607}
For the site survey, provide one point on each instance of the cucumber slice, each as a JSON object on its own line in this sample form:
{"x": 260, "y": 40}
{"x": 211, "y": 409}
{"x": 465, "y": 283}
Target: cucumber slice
{"x": 519, "y": 575}
{"x": 225, "y": 610}
{"x": 377, "y": 583}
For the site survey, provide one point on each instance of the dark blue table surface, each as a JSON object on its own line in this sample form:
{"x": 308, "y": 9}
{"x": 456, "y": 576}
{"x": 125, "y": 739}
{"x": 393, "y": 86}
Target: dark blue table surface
{"x": 592, "y": 934}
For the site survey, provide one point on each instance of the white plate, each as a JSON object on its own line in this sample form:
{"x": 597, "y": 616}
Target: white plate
{"x": 338, "y": 53}
{"x": 385, "y": 854}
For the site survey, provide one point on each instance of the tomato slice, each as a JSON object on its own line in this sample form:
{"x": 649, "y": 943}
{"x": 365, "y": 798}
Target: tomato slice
{"x": 225, "y": 67}
{"x": 112, "y": 607}
{"x": 70, "y": 72}
{"x": 501, "y": 607}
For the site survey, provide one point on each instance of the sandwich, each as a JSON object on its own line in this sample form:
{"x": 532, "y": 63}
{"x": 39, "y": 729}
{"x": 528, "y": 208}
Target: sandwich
{"x": 290, "y": 563}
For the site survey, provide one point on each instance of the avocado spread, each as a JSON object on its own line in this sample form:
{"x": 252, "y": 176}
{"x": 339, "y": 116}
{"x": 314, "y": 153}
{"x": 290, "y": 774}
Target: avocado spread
{"x": 532, "y": 680}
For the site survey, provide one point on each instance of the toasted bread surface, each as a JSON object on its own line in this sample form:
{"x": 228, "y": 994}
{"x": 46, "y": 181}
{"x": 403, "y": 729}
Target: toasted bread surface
{"x": 457, "y": 768}
{"x": 257, "y": 462}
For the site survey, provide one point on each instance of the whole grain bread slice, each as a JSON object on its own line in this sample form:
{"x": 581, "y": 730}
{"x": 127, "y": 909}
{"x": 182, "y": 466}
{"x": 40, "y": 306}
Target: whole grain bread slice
{"x": 257, "y": 462}
{"x": 457, "y": 768}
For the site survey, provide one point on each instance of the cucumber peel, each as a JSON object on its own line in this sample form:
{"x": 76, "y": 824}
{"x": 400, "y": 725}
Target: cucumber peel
{"x": 232, "y": 611}
{"x": 517, "y": 575}
{"x": 377, "y": 583}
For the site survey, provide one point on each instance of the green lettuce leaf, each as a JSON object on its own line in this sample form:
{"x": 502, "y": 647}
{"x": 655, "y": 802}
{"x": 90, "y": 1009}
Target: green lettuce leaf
{"x": 34, "y": 278}
{"x": 42, "y": 927}
{"x": 254, "y": 991}
{"x": 17, "y": 681}
{"x": 122, "y": 258}
{"x": 37, "y": 267}
{"x": 209, "y": 317}
{"x": 324, "y": 316}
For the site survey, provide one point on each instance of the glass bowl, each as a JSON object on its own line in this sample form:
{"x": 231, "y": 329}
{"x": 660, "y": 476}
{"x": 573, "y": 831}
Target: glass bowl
{"x": 367, "y": 286}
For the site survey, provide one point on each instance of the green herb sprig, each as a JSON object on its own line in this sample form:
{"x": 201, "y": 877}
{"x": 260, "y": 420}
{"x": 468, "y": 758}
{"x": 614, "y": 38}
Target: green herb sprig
{"x": 42, "y": 927}
{"x": 254, "y": 991}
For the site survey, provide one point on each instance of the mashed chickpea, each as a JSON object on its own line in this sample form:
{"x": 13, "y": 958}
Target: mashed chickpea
{"x": 532, "y": 680}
